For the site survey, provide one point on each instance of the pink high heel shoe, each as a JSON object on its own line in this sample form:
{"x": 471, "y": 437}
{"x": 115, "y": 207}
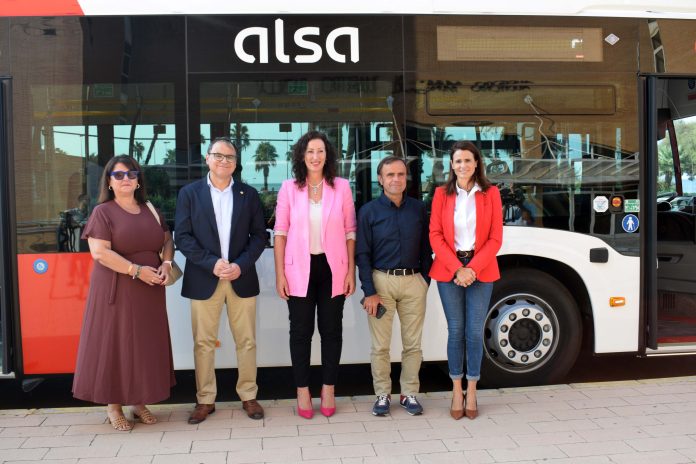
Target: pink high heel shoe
{"x": 306, "y": 413}
{"x": 327, "y": 412}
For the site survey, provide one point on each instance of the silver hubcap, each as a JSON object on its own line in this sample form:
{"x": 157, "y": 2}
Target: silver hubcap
{"x": 521, "y": 333}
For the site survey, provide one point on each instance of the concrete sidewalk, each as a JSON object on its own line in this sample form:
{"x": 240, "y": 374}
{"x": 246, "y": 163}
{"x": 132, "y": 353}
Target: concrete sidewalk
{"x": 643, "y": 421}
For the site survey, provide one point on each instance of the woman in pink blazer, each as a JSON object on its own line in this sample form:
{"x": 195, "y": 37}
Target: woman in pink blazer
{"x": 466, "y": 232}
{"x": 314, "y": 260}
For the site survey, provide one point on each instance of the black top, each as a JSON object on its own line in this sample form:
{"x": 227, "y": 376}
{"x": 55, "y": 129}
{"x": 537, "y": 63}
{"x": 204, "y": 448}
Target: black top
{"x": 391, "y": 237}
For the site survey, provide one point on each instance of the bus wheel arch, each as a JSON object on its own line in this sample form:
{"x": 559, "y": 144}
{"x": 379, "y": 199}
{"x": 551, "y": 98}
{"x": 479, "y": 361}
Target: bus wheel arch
{"x": 534, "y": 327}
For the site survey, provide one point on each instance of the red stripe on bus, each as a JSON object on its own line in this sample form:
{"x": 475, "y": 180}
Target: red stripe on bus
{"x": 688, "y": 320}
{"x": 682, "y": 339}
{"x": 51, "y": 305}
{"x": 691, "y": 96}
{"x": 40, "y": 8}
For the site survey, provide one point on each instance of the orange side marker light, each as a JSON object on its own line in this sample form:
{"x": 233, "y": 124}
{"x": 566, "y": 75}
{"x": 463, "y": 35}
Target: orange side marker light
{"x": 616, "y": 301}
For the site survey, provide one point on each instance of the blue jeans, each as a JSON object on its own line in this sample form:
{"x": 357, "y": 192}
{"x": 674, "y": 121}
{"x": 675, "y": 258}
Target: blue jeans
{"x": 465, "y": 311}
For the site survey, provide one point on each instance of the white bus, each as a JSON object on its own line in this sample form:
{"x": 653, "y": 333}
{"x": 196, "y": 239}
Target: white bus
{"x": 585, "y": 118}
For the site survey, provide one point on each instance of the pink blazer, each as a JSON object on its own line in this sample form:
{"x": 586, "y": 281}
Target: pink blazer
{"x": 338, "y": 218}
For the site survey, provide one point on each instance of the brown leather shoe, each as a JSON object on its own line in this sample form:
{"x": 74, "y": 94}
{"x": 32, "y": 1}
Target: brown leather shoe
{"x": 253, "y": 409}
{"x": 472, "y": 413}
{"x": 458, "y": 413}
{"x": 200, "y": 413}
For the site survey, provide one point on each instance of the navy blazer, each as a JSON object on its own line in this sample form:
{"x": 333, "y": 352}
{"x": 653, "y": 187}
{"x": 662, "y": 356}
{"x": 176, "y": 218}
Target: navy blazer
{"x": 196, "y": 236}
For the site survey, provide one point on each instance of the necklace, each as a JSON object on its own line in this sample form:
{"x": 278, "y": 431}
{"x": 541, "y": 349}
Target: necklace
{"x": 315, "y": 188}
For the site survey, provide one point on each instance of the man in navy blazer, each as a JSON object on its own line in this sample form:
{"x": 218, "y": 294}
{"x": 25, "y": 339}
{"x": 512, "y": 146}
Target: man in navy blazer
{"x": 220, "y": 230}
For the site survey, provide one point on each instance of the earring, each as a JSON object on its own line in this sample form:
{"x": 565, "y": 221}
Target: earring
{"x": 110, "y": 188}
{"x": 137, "y": 186}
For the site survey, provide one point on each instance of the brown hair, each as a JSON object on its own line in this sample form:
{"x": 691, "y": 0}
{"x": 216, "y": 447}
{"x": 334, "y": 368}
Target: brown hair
{"x": 479, "y": 173}
{"x": 389, "y": 160}
{"x": 105, "y": 194}
{"x": 299, "y": 168}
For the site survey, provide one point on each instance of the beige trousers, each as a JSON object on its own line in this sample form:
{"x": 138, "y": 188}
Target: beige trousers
{"x": 406, "y": 296}
{"x": 205, "y": 320}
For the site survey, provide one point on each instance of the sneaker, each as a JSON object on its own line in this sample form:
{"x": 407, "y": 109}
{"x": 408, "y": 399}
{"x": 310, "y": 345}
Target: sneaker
{"x": 411, "y": 405}
{"x": 381, "y": 407}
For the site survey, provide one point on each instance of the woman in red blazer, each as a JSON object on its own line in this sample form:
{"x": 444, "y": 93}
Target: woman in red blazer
{"x": 466, "y": 231}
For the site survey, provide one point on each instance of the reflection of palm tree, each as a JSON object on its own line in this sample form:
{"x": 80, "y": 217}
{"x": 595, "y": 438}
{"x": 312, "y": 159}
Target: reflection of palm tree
{"x": 240, "y": 134}
{"x": 170, "y": 158}
{"x": 138, "y": 148}
{"x": 264, "y": 158}
{"x": 666, "y": 165}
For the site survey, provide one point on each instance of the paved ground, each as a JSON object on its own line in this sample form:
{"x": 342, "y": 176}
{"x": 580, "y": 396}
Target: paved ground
{"x": 643, "y": 421}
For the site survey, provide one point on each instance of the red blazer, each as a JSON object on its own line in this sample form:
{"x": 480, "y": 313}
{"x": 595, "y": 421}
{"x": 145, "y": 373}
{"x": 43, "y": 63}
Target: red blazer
{"x": 489, "y": 236}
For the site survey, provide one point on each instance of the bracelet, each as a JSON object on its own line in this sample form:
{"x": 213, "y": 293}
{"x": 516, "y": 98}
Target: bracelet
{"x": 137, "y": 271}
{"x": 169, "y": 261}
{"x": 130, "y": 268}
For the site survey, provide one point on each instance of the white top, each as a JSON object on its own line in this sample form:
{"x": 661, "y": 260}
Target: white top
{"x": 223, "y": 203}
{"x": 315, "y": 247}
{"x": 465, "y": 219}
{"x": 315, "y": 215}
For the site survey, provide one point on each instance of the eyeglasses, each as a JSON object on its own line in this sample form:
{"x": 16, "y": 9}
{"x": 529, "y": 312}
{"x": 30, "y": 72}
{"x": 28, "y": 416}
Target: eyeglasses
{"x": 220, "y": 157}
{"x": 119, "y": 175}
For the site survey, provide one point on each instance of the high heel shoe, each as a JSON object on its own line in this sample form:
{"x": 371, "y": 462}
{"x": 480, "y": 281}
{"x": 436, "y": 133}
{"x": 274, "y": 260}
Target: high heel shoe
{"x": 326, "y": 412}
{"x": 306, "y": 413}
{"x": 458, "y": 413}
{"x": 471, "y": 413}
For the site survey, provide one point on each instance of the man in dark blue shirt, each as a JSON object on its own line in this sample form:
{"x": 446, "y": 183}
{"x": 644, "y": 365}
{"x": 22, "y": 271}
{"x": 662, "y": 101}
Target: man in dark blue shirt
{"x": 393, "y": 256}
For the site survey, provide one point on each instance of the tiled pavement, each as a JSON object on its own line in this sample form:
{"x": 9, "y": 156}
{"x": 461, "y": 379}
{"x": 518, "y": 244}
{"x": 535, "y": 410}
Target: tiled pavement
{"x": 643, "y": 421}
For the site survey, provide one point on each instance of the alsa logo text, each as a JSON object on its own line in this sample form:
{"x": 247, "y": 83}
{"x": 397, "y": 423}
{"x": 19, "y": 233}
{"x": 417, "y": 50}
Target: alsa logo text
{"x": 300, "y": 37}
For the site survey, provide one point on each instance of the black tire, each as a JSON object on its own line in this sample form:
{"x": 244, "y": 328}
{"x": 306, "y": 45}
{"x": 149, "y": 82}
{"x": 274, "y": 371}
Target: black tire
{"x": 533, "y": 330}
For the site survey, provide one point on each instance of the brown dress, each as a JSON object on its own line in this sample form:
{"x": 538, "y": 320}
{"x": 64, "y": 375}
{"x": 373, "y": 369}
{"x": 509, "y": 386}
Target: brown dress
{"x": 125, "y": 353}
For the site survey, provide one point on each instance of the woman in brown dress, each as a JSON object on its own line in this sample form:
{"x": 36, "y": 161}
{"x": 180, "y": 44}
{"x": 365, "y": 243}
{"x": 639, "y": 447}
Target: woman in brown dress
{"x": 125, "y": 354}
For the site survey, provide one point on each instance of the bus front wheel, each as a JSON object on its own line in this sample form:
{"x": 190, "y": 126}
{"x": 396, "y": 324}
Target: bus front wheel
{"x": 533, "y": 330}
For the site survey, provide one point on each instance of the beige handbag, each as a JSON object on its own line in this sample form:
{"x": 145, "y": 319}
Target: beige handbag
{"x": 176, "y": 272}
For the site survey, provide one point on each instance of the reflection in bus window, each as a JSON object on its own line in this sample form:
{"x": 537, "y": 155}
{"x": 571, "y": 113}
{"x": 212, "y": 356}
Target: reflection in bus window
{"x": 76, "y": 129}
{"x": 685, "y": 131}
{"x": 546, "y": 179}
{"x": 265, "y": 118}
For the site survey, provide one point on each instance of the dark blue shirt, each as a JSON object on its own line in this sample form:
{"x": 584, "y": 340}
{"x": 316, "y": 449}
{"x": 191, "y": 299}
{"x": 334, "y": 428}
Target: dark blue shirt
{"x": 391, "y": 237}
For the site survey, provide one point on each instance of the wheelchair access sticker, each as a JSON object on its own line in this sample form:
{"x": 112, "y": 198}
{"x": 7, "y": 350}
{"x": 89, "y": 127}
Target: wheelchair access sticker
{"x": 630, "y": 223}
{"x": 40, "y": 266}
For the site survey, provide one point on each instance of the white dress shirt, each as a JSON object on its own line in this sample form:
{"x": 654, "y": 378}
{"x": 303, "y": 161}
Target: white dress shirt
{"x": 223, "y": 203}
{"x": 315, "y": 218}
{"x": 465, "y": 219}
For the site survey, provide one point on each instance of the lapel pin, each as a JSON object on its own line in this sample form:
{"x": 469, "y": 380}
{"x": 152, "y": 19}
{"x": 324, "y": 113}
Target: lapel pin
{"x": 241, "y": 192}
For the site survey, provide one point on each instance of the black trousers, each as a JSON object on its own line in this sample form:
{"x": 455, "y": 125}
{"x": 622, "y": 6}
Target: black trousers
{"x": 329, "y": 315}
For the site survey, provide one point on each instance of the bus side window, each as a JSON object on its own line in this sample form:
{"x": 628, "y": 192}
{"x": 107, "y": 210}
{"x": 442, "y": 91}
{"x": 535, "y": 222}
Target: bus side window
{"x": 675, "y": 226}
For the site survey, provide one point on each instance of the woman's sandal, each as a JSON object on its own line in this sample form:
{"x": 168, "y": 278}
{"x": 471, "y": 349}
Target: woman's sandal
{"x": 145, "y": 416}
{"x": 120, "y": 423}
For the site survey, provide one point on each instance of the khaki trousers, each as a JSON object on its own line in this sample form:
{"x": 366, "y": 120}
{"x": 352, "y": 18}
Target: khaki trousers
{"x": 406, "y": 296}
{"x": 205, "y": 320}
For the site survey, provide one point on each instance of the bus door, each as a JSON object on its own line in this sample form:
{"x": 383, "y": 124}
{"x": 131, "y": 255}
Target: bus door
{"x": 672, "y": 313}
{"x": 5, "y": 252}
